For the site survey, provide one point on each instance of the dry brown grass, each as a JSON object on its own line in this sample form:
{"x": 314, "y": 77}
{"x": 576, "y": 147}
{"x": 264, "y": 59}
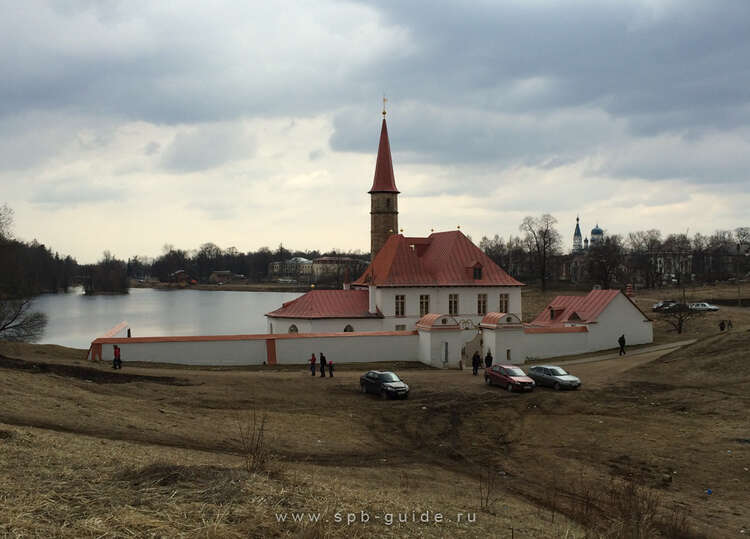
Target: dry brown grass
{"x": 146, "y": 457}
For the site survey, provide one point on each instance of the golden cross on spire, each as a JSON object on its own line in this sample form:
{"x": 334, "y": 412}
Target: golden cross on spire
{"x": 385, "y": 99}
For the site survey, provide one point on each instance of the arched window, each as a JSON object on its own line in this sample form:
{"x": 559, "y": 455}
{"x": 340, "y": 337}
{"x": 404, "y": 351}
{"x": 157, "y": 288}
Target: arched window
{"x": 293, "y": 329}
{"x": 348, "y": 328}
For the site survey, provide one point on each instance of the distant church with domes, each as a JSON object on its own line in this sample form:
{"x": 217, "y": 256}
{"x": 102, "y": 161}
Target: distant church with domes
{"x": 573, "y": 266}
{"x": 580, "y": 247}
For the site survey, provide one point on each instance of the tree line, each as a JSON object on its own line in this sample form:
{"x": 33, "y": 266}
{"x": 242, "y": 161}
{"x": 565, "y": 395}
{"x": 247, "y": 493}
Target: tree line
{"x": 200, "y": 263}
{"x": 646, "y": 258}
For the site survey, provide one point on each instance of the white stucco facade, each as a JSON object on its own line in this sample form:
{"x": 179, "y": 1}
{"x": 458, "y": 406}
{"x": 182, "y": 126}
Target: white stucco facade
{"x": 438, "y": 300}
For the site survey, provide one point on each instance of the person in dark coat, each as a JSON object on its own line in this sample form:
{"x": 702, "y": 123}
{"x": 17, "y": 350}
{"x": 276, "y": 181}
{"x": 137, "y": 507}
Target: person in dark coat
{"x": 488, "y": 360}
{"x": 476, "y": 360}
{"x": 621, "y": 342}
{"x": 330, "y": 368}
{"x": 312, "y": 365}
{"x": 322, "y": 365}
{"x": 722, "y": 325}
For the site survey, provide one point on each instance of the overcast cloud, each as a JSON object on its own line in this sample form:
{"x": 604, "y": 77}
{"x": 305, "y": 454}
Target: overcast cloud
{"x": 251, "y": 124}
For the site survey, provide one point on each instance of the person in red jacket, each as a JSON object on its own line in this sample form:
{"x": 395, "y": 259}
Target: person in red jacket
{"x": 312, "y": 364}
{"x": 330, "y": 368}
{"x": 117, "y": 362}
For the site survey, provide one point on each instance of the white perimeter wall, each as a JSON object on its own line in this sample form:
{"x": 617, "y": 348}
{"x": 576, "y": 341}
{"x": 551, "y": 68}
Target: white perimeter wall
{"x": 349, "y": 348}
{"x": 353, "y": 349}
{"x": 543, "y": 345}
{"x": 500, "y": 341}
{"x": 191, "y": 352}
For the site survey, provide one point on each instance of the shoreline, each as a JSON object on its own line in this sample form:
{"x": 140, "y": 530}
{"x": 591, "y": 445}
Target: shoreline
{"x": 232, "y": 287}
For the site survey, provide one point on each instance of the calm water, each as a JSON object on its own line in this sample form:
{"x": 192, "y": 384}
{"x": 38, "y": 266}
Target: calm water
{"x": 75, "y": 320}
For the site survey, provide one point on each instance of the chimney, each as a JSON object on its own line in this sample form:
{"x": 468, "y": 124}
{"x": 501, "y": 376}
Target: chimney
{"x": 347, "y": 279}
{"x": 373, "y": 309}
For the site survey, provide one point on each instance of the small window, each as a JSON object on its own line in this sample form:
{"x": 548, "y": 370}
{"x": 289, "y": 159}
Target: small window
{"x": 400, "y": 305}
{"x": 481, "y": 304}
{"x": 478, "y": 272}
{"x": 400, "y": 327}
{"x": 424, "y": 304}
{"x": 388, "y": 203}
{"x": 293, "y": 329}
{"x": 453, "y": 304}
{"x": 348, "y": 328}
{"x": 503, "y": 306}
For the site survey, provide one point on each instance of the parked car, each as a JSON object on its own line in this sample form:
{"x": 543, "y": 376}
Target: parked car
{"x": 508, "y": 376}
{"x": 703, "y": 306}
{"x": 662, "y": 305}
{"x": 384, "y": 383}
{"x": 552, "y": 376}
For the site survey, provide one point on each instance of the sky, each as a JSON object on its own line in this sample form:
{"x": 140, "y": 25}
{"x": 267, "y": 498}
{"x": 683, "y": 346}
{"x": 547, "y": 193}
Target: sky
{"x": 125, "y": 126}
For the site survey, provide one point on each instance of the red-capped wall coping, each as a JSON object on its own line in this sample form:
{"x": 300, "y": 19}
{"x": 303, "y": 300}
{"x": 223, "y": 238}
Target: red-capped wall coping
{"x": 570, "y": 329}
{"x": 259, "y": 337}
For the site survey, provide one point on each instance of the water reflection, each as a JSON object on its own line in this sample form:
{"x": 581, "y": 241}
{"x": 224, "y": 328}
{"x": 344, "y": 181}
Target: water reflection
{"x": 76, "y": 319}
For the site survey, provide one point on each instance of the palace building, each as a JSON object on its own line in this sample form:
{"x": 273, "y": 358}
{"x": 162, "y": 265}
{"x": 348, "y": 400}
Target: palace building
{"x": 408, "y": 278}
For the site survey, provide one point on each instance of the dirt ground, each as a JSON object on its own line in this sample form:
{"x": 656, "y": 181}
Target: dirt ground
{"x": 653, "y": 444}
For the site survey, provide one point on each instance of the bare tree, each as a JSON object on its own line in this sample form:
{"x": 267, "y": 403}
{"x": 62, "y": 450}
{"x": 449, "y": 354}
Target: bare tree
{"x": 605, "y": 260}
{"x": 6, "y": 222}
{"x": 678, "y": 315}
{"x": 18, "y": 323}
{"x": 543, "y": 240}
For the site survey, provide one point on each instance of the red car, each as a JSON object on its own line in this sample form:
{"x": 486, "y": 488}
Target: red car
{"x": 508, "y": 376}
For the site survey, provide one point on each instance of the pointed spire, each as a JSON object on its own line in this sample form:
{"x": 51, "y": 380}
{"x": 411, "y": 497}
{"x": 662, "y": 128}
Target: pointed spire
{"x": 384, "y": 181}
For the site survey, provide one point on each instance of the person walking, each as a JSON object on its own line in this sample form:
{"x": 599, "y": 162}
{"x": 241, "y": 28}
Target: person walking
{"x": 475, "y": 362}
{"x": 330, "y": 368}
{"x": 621, "y": 342}
{"x": 322, "y": 365}
{"x": 722, "y": 325}
{"x": 488, "y": 360}
{"x": 312, "y": 364}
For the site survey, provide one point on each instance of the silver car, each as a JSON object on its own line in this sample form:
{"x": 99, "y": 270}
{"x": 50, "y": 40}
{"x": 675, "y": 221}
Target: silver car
{"x": 552, "y": 376}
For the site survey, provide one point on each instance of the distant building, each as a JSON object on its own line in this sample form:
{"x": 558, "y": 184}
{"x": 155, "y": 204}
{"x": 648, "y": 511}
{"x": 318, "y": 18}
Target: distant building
{"x": 297, "y": 268}
{"x": 225, "y": 276}
{"x": 334, "y": 268}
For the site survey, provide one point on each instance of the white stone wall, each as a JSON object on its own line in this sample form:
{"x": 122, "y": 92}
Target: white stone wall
{"x": 544, "y": 345}
{"x": 251, "y": 352}
{"x": 508, "y": 345}
{"x": 354, "y": 349}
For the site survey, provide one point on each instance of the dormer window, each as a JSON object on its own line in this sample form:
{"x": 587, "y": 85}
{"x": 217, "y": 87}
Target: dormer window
{"x": 477, "y": 273}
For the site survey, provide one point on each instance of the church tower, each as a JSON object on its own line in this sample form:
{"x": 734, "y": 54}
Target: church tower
{"x": 383, "y": 196}
{"x": 577, "y": 246}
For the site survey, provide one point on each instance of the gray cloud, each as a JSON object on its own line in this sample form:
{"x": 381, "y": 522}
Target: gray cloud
{"x": 71, "y": 192}
{"x": 207, "y": 146}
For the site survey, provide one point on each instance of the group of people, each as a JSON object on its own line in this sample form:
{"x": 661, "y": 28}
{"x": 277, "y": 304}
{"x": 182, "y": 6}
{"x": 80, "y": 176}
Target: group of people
{"x": 323, "y": 364}
{"x": 476, "y": 362}
{"x": 725, "y": 324}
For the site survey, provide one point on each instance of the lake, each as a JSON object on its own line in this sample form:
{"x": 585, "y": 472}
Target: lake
{"x": 76, "y": 319}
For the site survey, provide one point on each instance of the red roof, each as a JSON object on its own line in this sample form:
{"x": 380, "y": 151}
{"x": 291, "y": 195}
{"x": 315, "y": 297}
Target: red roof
{"x": 384, "y": 181}
{"x": 577, "y": 309}
{"x": 430, "y": 321}
{"x": 328, "y": 304}
{"x": 442, "y": 259}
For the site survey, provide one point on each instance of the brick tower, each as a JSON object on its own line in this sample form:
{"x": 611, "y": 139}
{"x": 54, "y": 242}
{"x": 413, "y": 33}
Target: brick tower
{"x": 383, "y": 196}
